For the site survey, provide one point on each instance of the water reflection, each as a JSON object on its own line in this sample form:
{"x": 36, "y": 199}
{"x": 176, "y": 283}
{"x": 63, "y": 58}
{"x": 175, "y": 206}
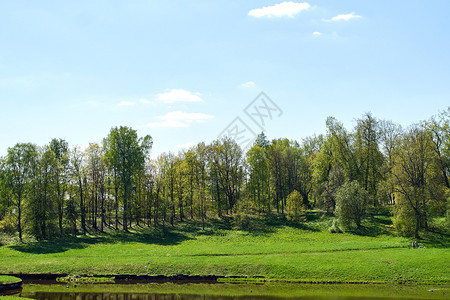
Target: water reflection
{"x": 171, "y": 291}
{"x": 126, "y": 296}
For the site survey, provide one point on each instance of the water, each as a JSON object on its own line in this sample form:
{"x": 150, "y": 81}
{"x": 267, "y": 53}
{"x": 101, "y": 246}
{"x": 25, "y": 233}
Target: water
{"x": 267, "y": 291}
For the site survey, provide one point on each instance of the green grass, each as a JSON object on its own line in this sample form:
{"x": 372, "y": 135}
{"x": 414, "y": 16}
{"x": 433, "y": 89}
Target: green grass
{"x": 269, "y": 247}
{"x": 14, "y": 298}
{"x": 8, "y": 279}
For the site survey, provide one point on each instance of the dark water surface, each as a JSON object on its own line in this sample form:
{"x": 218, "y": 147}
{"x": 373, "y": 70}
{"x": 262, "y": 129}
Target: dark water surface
{"x": 267, "y": 291}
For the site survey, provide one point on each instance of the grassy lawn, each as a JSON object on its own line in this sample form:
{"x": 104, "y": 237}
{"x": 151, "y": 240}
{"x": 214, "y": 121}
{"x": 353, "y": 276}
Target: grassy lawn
{"x": 269, "y": 247}
{"x": 8, "y": 279}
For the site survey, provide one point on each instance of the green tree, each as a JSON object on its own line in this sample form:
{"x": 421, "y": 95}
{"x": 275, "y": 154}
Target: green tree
{"x": 228, "y": 159}
{"x": 412, "y": 173}
{"x": 295, "y": 206}
{"x": 126, "y": 153}
{"x": 77, "y": 175}
{"x": 258, "y": 186}
{"x": 42, "y": 210}
{"x": 367, "y": 151}
{"x": 18, "y": 176}
{"x": 60, "y": 149}
{"x": 351, "y": 203}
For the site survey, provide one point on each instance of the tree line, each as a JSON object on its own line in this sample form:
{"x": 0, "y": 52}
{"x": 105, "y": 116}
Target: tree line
{"x": 57, "y": 190}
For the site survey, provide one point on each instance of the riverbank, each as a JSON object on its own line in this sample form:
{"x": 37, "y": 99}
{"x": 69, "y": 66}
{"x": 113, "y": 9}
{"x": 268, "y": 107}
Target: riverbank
{"x": 9, "y": 283}
{"x": 277, "y": 251}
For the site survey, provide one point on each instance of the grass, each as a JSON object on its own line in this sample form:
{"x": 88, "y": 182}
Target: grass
{"x": 8, "y": 279}
{"x": 270, "y": 246}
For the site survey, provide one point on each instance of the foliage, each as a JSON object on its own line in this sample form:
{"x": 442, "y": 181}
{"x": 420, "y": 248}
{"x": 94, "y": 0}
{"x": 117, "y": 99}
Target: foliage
{"x": 404, "y": 217}
{"x": 295, "y": 207}
{"x": 334, "y": 228}
{"x": 8, "y": 224}
{"x": 56, "y": 190}
{"x": 351, "y": 203}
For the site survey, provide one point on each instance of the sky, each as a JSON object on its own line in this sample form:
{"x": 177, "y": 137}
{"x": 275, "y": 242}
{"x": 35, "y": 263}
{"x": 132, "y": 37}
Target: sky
{"x": 191, "y": 71}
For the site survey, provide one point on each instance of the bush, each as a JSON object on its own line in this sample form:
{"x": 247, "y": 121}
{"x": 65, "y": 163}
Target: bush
{"x": 334, "y": 228}
{"x": 351, "y": 203}
{"x": 404, "y": 217}
{"x": 8, "y": 224}
{"x": 295, "y": 207}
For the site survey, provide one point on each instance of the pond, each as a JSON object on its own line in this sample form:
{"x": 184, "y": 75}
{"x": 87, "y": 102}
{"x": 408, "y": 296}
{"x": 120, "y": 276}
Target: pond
{"x": 268, "y": 291}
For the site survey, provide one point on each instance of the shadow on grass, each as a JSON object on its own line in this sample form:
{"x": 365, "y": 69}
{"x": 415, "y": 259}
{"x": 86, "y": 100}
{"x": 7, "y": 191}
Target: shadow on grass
{"x": 164, "y": 238}
{"x": 436, "y": 237}
{"x": 377, "y": 222}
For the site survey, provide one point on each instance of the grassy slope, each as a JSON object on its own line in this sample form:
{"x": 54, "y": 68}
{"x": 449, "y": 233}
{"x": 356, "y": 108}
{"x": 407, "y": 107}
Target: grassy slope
{"x": 271, "y": 248}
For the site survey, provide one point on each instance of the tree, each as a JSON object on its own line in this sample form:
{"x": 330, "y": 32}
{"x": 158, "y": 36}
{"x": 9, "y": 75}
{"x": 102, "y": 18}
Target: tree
{"x": 277, "y": 172}
{"x": 227, "y": 157}
{"x": 439, "y": 129}
{"x": 77, "y": 179}
{"x": 295, "y": 206}
{"x": 42, "y": 203}
{"x": 351, "y": 203}
{"x": 60, "y": 148}
{"x": 411, "y": 173}
{"x": 18, "y": 175}
{"x": 126, "y": 155}
{"x": 258, "y": 163}
{"x": 367, "y": 152}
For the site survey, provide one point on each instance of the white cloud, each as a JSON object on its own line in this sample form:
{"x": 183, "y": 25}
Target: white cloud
{"x": 187, "y": 145}
{"x": 145, "y": 101}
{"x": 126, "y": 103}
{"x": 178, "y": 118}
{"x": 167, "y": 123}
{"x": 316, "y": 33}
{"x": 249, "y": 84}
{"x": 345, "y": 17}
{"x": 283, "y": 9}
{"x": 179, "y": 95}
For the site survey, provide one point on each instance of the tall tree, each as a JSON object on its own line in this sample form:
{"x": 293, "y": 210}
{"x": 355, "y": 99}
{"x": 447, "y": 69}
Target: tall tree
{"x": 227, "y": 157}
{"x": 411, "y": 174}
{"x": 258, "y": 163}
{"x": 126, "y": 154}
{"x": 19, "y": 171}
{"x": 60, "y": 149}
{"x": 77, "y": 177}
{"x": 367, "y": 152}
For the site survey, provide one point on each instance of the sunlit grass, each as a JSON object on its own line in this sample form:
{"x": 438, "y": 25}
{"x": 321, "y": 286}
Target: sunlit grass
{"x": 272, "y": 247}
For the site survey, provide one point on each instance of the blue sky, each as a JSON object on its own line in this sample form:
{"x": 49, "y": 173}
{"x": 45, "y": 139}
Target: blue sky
{"x": 182, "y": 71}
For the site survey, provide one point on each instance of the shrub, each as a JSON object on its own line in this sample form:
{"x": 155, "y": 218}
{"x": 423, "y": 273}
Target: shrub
{"x": 351, "y": 203}
{"x": 295, "y": 207}
{"x": 334, "y": 228}
{"x": 404, "y": 218}
{"x": 8, "y": 224}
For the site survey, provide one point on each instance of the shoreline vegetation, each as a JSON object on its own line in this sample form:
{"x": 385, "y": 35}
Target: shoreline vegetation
{"x": 8, "y": 282}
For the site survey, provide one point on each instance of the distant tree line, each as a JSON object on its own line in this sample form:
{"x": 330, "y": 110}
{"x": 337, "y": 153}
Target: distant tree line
{"x": 57, "y": 190}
